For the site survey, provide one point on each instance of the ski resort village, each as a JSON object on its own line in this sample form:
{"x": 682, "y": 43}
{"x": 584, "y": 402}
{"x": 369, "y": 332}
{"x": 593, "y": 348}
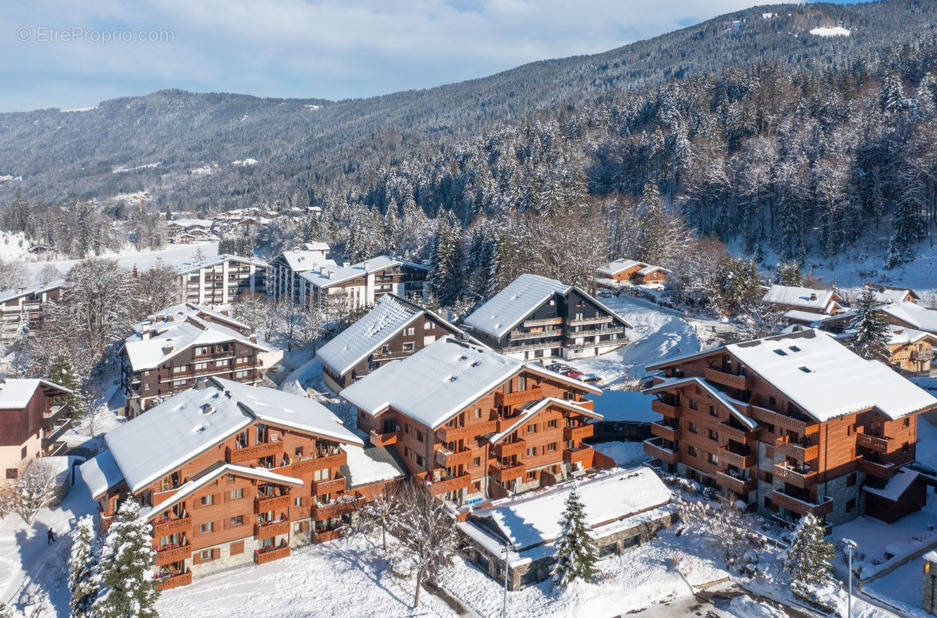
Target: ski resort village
{"x": 644, "y": 330}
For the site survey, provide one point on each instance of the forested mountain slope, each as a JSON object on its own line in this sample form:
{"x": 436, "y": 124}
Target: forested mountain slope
{"x": 305, "y": 148}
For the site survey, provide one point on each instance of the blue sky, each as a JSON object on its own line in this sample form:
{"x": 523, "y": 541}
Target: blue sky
{"x": 75, "y": 53}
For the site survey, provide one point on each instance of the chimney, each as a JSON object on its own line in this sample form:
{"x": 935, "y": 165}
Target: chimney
{"x": 253, "y": 339}
{"x": 813, "y": 295}
{"x": 167, "y": 348}
{"x": 331, "y": 272}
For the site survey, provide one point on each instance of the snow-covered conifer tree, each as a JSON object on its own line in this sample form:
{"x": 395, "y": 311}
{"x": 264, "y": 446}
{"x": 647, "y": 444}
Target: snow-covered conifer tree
{"x": 82, "y": 565}
{"x": 871, "y": 330}
{"x": 809, "y": 558}
{"x": 575, "y": 552}
{"x": 127, "y": 589}
{"x": 446, "y": 275}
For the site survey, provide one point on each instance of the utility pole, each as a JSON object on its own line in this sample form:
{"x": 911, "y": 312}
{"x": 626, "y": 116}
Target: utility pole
{"x": 851, "y": 546}
{"x": 504, "y": 603}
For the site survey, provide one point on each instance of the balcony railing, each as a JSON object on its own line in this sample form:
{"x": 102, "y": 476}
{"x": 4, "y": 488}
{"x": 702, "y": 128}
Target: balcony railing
{"x": 802, "y": 507}
{"x": 725, "y": 378}
{"x": 798, "y": 451}
{"x": 273, "y": 503}
{"x": 873, "y": 443}
{"x": 263, "y": 557}
{"x": 509, "y": 449}
{"x": 383, "y": 439}
{"x": 449, "y": 459}
{"x": 523, "y": 336}
{"x": 331, "y": 486}
{"x": 317, "y": 463}
{"x": 266, "y": 531}
{"x": 802, "y": 477}
{"x": 739, "y": 486}
{"x": 782, "y": 421}
{"x": 654, "y": 447}
{"x": 739, "y": 460}
{"x": 542, "y": 322}
{"x": 168, "y": 526}
{"x": 665, "y": 431}
{"x": 578, "y": 433}
{"x": 250, "y": 453}
{"x": 665, "y": 409}
{"x": 454, "y": 434}
{"x": 594, "y": 320}
{"x": 518, "y": 398}
{"x": 172, "y": 554}
{"x": 581, "y": 455}
{"x": 743, "y": 436}
{"x": 335, "y": 509}
{"x": 454, "y": 483}
{"x": 877, "y": 470}
{"x": 505, "y": 474}
{"x": 326, "y": 535}
{"x": 173, "y": 581}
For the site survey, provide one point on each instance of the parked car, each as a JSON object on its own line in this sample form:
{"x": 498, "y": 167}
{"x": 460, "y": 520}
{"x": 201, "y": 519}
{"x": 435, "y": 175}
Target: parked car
{"x": 558, "y": 367}
{"x": 589, "y": 378}
{"x": 573, "y": 373}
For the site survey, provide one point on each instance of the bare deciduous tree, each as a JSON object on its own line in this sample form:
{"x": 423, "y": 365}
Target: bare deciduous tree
{"x": 34, "y": 489}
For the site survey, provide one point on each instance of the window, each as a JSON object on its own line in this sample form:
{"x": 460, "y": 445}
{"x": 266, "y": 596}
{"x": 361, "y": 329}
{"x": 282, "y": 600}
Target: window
{"x": 237, "y": 520}
{"x": 201, "y": 365}
{"x": 522, "y": 383}
{"x": 476, "y": 461}
{"x": 221, "y": 363}
{"x": 206, "y": 527}
{"x": 207, "y": 500}
{"x": 531, "y": 452}
{"x": 712, "y": 411}
{"x": 179, "y": 383}
{"x": 419, "y": 436}
{"x": 237, "y": 494}
{"x": 179, "y": 369}
{"x": 551, "y": 446}
{"x": 712, "y": 458}
{"x": 691, "y": 451}
{"x": 851, "y": 505}
{"x": 427, "y": 325}
{"x": 552, "y": 423}
{"x": 691, "y": 427}
{"x": 23, "y": 453}
{"x": 408, "y": 346}
{"x": 713, "y": 435}
{"x": 419, "y": 460}
{"x": 851, "y": 480}
{"x": 693, "y": 405}
{"x": 205, "y": 555}
{"x": 478, "y": 412}
{"x": 907, "y": 422}
{"x": 298, "y": 451}
{"x": 385, "y": 349}
{"x": 410, "y": 331}
{"x": 298, "y": 501}
{"x": 12, "y": 473}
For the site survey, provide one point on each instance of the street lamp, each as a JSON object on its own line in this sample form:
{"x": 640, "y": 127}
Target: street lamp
{"x": 508, "y": 547}
{"x": 851, "y": 546}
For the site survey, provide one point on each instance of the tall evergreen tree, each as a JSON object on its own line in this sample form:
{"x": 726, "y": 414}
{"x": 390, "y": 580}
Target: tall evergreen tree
{"x": 575, "y": 552}
{"x": 788, "y": 273}
{"x": 871, "y": 330}
{"x": 60, "y": 372}
{"x": 810, "y": 556}
{"x": 447, "y": 260}
{"x": 892, "y": 97}
{"x": 127, "y": 589}
{"x": 82, "y": 569}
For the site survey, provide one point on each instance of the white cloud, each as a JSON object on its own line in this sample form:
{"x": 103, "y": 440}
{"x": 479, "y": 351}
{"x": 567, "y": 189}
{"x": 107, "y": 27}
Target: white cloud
{"x": 314, "y": 48}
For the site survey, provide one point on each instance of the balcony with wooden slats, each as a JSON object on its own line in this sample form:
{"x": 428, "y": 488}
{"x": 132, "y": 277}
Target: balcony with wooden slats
{"x": 272, "y": 503}
{"x": 581, "y": 455}
{"x": 316, "y": 463}
{"x": 169, "y": 526}
{"x": 798, "y": 477}
{"x": 739, "y": 460}
{"x": 252, "y": 453}
{"x": 269, "y": 530}
{"x": 172, "y": 554}
{"x": 879, "y": 470}
{"x": 800, "y": 451}
{"x": 321, "y": 536}
{"x": 509, "y": 449}
{"x": 725, "y": 378}
{"x": 450, "y": 459}
{"x": 878, "y": 444}
{"x": 654, "y": 447}
{"x": 505, "y": 474}
{"x": 265, "y": 556}
{"x": 739, "y": 486}
{"x": 519, "y": 397}
{"x": 802, "y": 507}
{"x": 330, "y": 486}
{"x": 382, "y": 439}
{"x": 335, "y": 509}
{"x": 665, "y": 431}
{"x": 743, "y": 436}
{"x": 173, "y": 581}
{"x": 579, "y": 433}
{"x": 665, "y": 409}
{"x": 461, "y": 481}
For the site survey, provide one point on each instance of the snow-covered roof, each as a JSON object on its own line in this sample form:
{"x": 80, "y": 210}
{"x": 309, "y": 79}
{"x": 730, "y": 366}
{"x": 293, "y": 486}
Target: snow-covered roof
{"x": 804, "y": 317}
{"x": 176, "y": 329}
{"x": 189, "y": 267}
{"x": 647, "y": 270}
{"x": 15, "y": 393}
{"x": 917, "y": 316}
{"x": 100, "y": 473}
{"x": 13, "y": 293}
{"x": 891, "y": 295}
{"x": 512, "y": 304}
{"x": 530, "y": 520}
{"x": 439, "y": 381}
{"x": 203, "y": 478}
{"x": 325, "y": 277}
{"x": 177, "y": 429}
{"x": 613, "y": 268}
{"x": 826, "y": 379}
{"x": 529, "y": 410}
{"x": 896, "y": 485}
{"x": 312, "y": 255}
{"x": 735, "y": 407}
{"x": 182, "y": 311}
{"x": 794, "y": 296}
{"x": 370, "y": 465}
{"x": 899, "y": 335}
{"x": 192, "y": 222}
{"x": 352, "y": 345}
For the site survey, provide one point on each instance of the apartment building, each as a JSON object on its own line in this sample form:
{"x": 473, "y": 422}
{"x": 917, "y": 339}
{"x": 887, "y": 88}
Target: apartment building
{"x": 221, "y": 280}
{"x": 395, "y": 328}
{"x": 283, "y": 280}
{"x": 474, "y": 424}
{"x": 230, "y": 474}
{"x": 32, "y": 422}
{"x": 26, "y": 307}
{"x": 536, "y": 317}
{"x": 172, "y": 349}
{"x": 360, "y": 285}
{"x": 790, "y": 424}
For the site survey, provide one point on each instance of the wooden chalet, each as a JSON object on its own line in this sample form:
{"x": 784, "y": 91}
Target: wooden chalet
{"x": 475, "y": 424}
{"x": 33, "y": 419}
{"x": 230, "y": 474}
{"x": 791, "y": 424}
{"x": 536, "y": 317}
{"x": 629, "y": 272}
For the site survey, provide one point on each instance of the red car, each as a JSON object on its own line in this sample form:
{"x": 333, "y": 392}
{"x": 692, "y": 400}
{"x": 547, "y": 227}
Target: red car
{"x": 573, "y": 373}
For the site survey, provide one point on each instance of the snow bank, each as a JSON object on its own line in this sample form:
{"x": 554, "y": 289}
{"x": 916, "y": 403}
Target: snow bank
{"x": 830, "y": 31}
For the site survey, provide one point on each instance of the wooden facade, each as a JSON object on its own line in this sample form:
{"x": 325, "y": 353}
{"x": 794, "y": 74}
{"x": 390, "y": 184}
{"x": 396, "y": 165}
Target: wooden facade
{"x": 31, "y": 430}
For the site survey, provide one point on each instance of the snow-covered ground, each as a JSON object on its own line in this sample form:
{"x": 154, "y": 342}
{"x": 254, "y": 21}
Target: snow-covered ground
{"x": 172, "y": 255}
{"x": 625, "y": 454}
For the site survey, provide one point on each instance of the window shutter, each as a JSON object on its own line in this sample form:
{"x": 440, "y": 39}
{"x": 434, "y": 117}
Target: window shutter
{"x": 215, "y": 553}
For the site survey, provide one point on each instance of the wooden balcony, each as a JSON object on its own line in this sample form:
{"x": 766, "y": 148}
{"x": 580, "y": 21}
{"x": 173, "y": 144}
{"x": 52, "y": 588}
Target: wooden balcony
{"x": 518, "y": 398}
{"x": 579, "y": 433}
{"x": 517, "y": 335}
{"x": 383, "y": 439}
{"x": 878, "y": 470}
{"x": 782, "y": 421}
{"x": 172, "y": 554}
{"x": 653, "y": 447}
{"x": 316, "y": 463}
{"x": 877, "y": 444}
{"x": 454, "y": 434}
{"x": 581, "y": 455}
{"x": 334, "y": 509}
{"x": 802, "y": 507}
{"x": 462, "y": 481}
{"x": 666, "y": 432}
{"x": 263, "y": 557}
{"x": 664, "y": 409}
{"x": 451, "y": 459}
{"x": 173, "y": 581}
{"x": 252, "y": 453}
{"x": 168, "y": 526}
{"x": 797, "y": 451}
{"x": 506, "y": 474}
{"x": 266, "y": 531}
{"x": 743, "y": 436}
{"x": 326, "y": 535}
{"x": 739, "y": 486}
{"x": 262, "y": 505}
{"x": 601, "y": 319}
{"x": 731, "y": 380}
{"x": 542, "y": 322}
{"x": 331, "y": 486}
{"x": 736, "y": 459}
{"x": 508, "y": 449}
{"x": 802, "y": 479}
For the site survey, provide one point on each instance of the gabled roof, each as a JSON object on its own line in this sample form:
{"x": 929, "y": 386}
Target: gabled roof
{"x": 310, "y": 256}
{"x": 794, "y": 296}
{"x": 170, "y": 433}
{"x": 15, "y": 393}
{"x": 177, "y": 329}
{"x": 532, "y": 408}
{"x": 100, "y": 473}
{"x": 12, "y": 293}
{"x": 439, "y": 381}
{"x": 512, "y": 304}
{"x": 893, "y": 295}
{"x": 190, "y": 267}
{"x": 388, "y": 317}
{"x": 613, "y": 268}
{"x": 341, "y": 274}
{"x": 900, "y": 335}
{"x": 732, "y": 405}
{"x": 917, "y": 316}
